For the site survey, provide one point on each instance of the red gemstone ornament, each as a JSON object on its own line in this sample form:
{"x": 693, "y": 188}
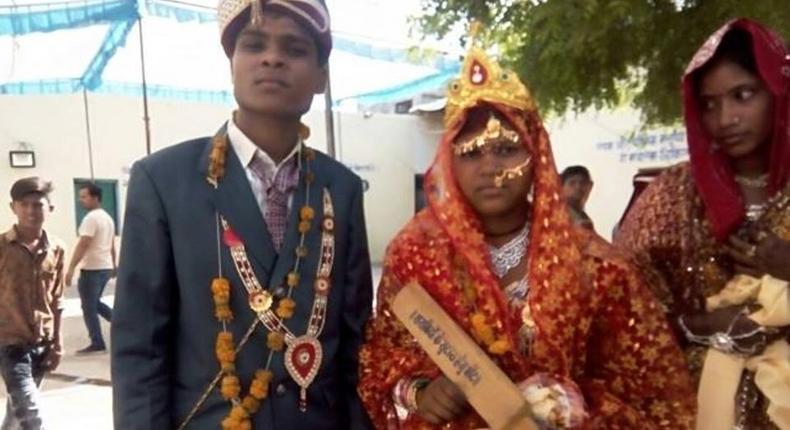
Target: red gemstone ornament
{"x": 478, "y": 74}
{"x": 231, "y": 239}
{"x": 302, "y": 360}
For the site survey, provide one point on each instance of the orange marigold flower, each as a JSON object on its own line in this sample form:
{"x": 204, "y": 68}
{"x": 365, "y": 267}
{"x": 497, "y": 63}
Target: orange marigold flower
{"x": 220, "y": 285}
{"x": 275, "y": 341}
{"x": 306, "y": 213}
{"x": 264, "y": 376}
{"x": 478, "y": 319}
{"x": 259, "y": 388}
{"x": 482, "y": 331}
{"x": 225, "y": 339}
{"x": 499, "y": 347}
{"x": 304, "y": 226}
{"x": 226, "y": 358}
{"x": 230, "y": 387}
{"x": 226, "y": 352}
{"x": 223, "y": 313}
{"x": 293, "y": 279}
{"x": 239, "y": 413}
{"x": 230, "y": 423}
{"x": 221, "y": 299}
{"x": 285, "y": 309}
{"x": 251, "y": 404}
{"x": 245, "y": 425}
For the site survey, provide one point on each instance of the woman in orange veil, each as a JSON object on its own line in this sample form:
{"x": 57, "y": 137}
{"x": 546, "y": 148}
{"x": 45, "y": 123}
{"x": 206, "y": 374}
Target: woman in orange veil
{"x": 555, "y": 308}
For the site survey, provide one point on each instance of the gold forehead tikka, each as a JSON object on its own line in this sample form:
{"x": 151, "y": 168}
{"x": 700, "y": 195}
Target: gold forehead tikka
{"x": 493, "y": 131}
{"x": 511, "y": 173}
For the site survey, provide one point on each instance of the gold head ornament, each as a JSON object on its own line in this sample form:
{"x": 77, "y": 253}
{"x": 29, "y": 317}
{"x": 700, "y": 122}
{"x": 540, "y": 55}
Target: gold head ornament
{"x": 493, "y": 132}
{"x": 483, "y": 80}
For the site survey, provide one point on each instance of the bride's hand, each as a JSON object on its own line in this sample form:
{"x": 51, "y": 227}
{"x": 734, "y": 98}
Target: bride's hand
{"x": 441, "y": 401}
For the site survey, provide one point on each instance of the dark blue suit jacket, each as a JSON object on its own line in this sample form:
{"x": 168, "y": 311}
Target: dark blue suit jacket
{"x": 164, "y": 330}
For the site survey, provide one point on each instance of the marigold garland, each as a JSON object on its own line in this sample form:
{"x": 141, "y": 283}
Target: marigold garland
{"x": 275, "y": 341}
{"x": 230, "y": 387}
{"x": 226, "y": 352}
{"x": 239, "y": 417}
{"x": 285, "y": 309}
{"x": 306, "y": 213}
{"x": 499, "y": 347}
{"x": 220, "y": 289}
{"x": 293, "y": 279}
{"x": 483, "y": 332}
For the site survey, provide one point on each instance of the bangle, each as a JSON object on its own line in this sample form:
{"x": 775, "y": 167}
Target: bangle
{"x": 724, "y": 341}
{"x": 405, "y": 392}
{"x": 411, "y": 397}
{"x": 702, "y": 340}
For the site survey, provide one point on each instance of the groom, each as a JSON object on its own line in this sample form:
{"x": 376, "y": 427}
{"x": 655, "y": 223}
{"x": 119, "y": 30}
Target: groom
{"x": 244, "y": 283}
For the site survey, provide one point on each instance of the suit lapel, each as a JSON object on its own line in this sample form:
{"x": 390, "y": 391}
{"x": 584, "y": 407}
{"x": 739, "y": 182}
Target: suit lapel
{"x": 234, "y": 200}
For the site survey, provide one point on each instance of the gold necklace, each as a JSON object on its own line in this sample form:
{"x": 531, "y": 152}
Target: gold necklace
{"x": 752, "y": 181}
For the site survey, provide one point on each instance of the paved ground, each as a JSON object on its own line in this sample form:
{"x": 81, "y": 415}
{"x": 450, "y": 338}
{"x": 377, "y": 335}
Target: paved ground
{"x": 78, "y": 395}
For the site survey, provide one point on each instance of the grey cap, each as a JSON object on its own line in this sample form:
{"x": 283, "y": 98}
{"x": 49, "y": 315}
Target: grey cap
{"x": 31, "y": 185}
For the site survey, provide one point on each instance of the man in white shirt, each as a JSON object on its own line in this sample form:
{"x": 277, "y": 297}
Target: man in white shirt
{"x": 96, "y": 250}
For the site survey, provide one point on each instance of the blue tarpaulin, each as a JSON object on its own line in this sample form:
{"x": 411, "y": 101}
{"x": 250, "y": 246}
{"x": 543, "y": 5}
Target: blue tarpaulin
{"x": 181, "y": 52}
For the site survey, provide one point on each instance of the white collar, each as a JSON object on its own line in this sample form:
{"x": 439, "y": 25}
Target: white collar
{"x": 245, "y": 148}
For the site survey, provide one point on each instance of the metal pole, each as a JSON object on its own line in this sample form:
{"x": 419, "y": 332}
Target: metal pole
{"x": 88, "y": 129}
{"x": 146, "y": 119}
{"x": 329, "y": 116}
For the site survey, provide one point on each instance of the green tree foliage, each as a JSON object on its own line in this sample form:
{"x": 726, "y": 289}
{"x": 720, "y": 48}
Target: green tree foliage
{"x": 577, "y": 54}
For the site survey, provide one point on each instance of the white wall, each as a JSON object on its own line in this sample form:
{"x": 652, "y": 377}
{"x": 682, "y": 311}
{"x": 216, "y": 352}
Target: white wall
{"x": 385, "y": 150}
{"x": 55, "y": 128}
{"x": 613, "y": 146}
{"x": 382, "y": 149}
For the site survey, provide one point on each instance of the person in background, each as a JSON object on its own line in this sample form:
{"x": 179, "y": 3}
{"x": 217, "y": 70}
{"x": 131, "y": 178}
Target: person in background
{"x": 576, "y": 187}
{"x": 31, "y": 291}
{"x": 96, "y": 251}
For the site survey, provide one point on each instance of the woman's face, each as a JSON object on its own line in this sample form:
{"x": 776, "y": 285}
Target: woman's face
{"x": 736, "y": 109}
{"x": 493, "y": 168}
